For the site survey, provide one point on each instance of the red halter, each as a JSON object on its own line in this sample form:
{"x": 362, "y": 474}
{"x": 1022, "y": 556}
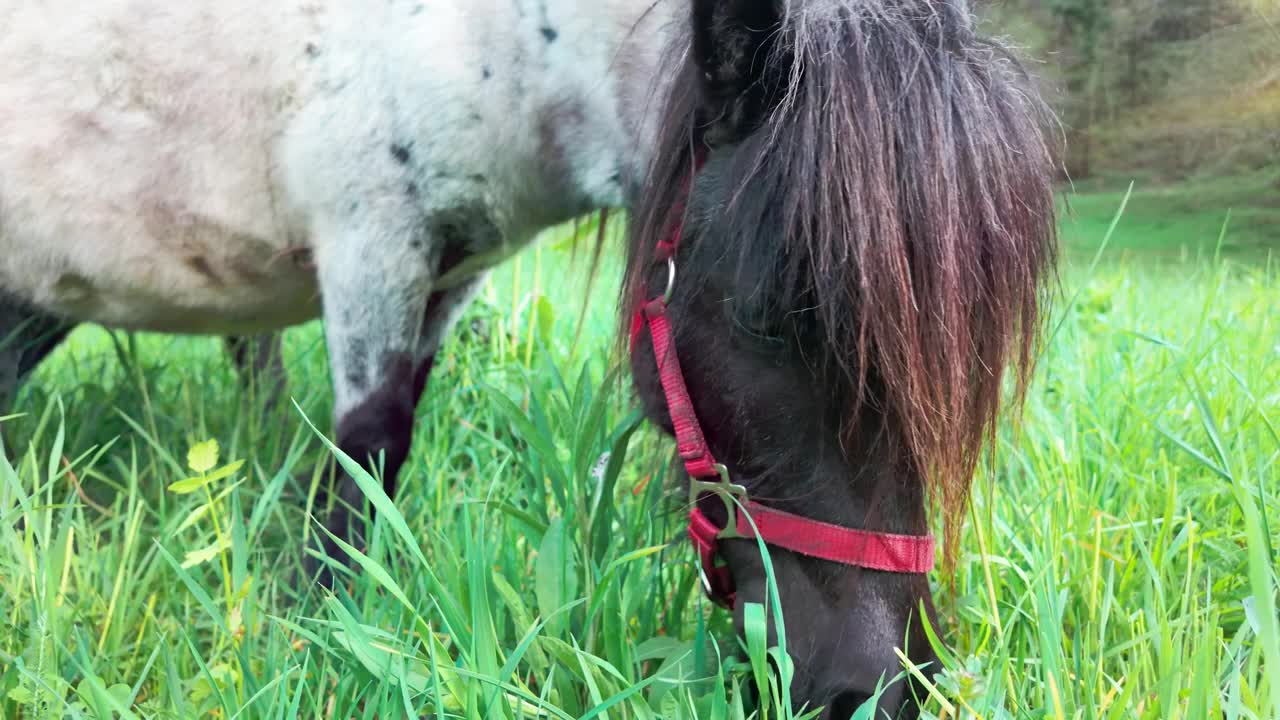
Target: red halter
{"x": 858, "y": 548}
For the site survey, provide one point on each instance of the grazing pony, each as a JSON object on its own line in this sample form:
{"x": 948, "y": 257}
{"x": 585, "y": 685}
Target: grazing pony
{"x": 855, "y": 194}
{"x": 852, "y": 208}
{"x": 236, "y": 166}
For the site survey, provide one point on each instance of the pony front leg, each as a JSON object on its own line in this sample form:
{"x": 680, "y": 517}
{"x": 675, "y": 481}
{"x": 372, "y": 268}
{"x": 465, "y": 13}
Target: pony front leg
{"x": 375, "y": 286}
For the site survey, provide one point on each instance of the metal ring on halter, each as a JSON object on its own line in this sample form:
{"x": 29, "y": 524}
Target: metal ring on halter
{"x": 727, "y": 491}
{"x": 671, "y": 280}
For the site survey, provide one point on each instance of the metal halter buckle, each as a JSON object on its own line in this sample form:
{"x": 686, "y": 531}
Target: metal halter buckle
{"x": 727, "y": 491}
{"x": 671, "y": 281}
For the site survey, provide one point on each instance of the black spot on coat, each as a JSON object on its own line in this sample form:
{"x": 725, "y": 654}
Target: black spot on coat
{"x": 357, "y": 360}
{"x": 201, "y": 266}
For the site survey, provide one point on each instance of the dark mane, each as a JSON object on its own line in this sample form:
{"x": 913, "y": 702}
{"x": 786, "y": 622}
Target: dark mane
{"x": 906, "y": 159}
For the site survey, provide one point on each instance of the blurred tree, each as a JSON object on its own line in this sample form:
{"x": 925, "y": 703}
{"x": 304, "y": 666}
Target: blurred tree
{"x": 1080, "y": 28}
{"x": 1109, "y": 58}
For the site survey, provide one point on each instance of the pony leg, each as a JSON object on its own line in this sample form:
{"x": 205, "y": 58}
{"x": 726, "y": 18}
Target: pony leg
{"x": 386, "y": 416}
{"x": 443, "y": 310}
{"x": 377, "y": 290}
{"x": 27, "y": 336}
{"x": 259, "y": 360}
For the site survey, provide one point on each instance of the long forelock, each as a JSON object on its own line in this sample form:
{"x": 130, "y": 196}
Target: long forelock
{"x": 914, "y": 185}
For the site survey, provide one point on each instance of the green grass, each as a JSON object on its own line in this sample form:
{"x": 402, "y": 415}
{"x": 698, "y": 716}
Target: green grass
{"x": 1119, "y": 561}
{"x": 1182, "y": 220}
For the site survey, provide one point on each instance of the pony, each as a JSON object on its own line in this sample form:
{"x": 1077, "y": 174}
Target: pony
{"x": 861, "y": 186}
{"x": 861, "y": 193}
{"x": 232, "y": 167}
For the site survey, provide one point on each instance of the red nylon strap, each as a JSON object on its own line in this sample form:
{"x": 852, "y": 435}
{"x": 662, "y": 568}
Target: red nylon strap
{"x": 690, "y": 442}
{"x": 858, "y": 548}
{"x": 704, "y": 534}
{"x": 637, "y": 327}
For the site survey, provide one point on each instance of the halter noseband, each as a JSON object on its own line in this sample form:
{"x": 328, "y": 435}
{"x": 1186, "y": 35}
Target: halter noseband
{"x": 910, "y": 554}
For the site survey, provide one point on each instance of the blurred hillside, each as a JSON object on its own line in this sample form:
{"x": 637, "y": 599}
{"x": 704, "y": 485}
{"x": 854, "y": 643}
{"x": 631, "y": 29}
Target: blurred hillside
{"x": 1172, "y": 87}
{"x": 1181, "y": 96}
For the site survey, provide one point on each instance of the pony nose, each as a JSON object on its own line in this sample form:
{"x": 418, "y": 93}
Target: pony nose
{"x": 842, "y": 704}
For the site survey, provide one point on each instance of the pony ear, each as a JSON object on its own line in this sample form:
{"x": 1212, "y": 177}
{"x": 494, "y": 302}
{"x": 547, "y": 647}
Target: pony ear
{"x": 735, "y": 48}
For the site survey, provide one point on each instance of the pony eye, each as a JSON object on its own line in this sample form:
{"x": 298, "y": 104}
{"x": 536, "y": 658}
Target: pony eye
{"x": 758, "y": 325}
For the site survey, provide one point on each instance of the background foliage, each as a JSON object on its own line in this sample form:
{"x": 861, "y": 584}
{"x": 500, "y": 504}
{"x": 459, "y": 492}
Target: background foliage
{"x": 1169, "y": 87}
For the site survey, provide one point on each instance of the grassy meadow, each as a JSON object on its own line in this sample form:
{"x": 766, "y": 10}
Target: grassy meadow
{"x": 1119, "y": 562}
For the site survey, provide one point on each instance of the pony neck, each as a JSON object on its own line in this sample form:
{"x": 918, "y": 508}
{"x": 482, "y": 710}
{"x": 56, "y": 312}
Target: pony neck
{"x": 593, "y": 92}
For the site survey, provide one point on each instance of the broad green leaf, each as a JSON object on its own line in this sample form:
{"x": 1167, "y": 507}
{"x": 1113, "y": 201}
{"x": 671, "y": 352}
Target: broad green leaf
{"x": 194, "y": 516}
{"x": 546, "y": 318}
{"x": 192, "y": 484}
{"x": 755, "y": 628}
{"x": 103, "y": 701}
{"x": 204, "y": 555}
{"x": 188, "y": 485}
{"x": 22, "y": 695}
{"x": 662, "y": 647}
{"x": 203, "y": 457}
{"x": 555, "y": 577}
{"x": 523, "y": 619}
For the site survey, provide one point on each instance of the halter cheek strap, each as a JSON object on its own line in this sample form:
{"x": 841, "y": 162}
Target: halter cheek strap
{"x": 707, "y": 478}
